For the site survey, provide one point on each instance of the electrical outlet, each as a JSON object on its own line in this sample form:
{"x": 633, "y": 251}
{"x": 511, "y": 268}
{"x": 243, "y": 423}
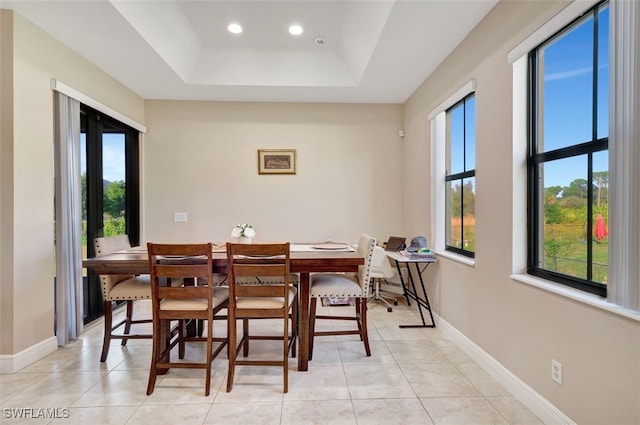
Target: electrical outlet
{"x": 180, "y": 216}
{"x": 556, "y": 371}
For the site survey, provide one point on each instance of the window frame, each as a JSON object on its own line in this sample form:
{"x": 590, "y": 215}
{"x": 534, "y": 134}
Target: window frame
{"x": 94, "y": 125}
{"x": 460, "y": 176}
{"x": 535, "y": 159}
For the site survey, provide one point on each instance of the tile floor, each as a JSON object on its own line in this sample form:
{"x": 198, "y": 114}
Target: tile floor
{"x": 414, "y": 376}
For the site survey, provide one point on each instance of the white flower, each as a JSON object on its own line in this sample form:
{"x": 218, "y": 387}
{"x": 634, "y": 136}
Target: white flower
{"x": 243, "y": 230}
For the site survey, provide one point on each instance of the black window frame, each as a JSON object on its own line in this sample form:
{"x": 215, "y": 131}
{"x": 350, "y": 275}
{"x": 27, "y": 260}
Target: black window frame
{"x": 94, "y": 124}
{"x": 535, "y": 159}
{"x": 465, "y": 174}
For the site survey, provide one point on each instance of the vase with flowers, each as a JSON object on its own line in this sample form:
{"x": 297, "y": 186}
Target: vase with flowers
{"x": 243, "y": 233}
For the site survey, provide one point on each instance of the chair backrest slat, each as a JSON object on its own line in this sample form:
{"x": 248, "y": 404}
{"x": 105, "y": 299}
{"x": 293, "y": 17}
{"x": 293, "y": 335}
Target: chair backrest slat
{"x": 182, "y": 270}
{"x": 270, "y": 290}
{"x": 259, "y": 269}
{"x": 183, "y": 292}
{"x": 255, "y": 260}
{"x": 191, "y": 263}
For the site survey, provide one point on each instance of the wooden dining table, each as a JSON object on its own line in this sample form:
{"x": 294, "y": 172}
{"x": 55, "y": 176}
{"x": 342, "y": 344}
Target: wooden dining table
{"x": 304, "y": 262}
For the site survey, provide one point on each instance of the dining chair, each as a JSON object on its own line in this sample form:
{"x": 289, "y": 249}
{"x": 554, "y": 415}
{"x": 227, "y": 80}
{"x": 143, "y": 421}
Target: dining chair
{"x": 195, "y": 299}
{"x": 344, "y": 285}
{"x": 252, "y": 299}
{"x": 120, "y": 288}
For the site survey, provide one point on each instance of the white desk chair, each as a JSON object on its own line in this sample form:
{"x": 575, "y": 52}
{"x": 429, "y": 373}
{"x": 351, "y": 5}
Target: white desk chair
{"x": 381, "y": 269}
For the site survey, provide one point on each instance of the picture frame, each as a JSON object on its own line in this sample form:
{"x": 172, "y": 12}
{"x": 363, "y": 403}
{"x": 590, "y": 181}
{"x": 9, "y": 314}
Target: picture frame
{"x": 277, "y": 161}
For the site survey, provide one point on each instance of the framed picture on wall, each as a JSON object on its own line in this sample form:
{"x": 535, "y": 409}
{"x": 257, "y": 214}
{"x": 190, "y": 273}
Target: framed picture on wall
{"x": 276, "y": 161}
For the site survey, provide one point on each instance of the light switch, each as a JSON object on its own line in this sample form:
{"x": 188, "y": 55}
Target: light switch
{"x": 180, "y": 216}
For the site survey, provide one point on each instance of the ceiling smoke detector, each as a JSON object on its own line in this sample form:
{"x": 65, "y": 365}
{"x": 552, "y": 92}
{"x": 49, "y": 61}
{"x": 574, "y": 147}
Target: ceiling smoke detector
{"x": 320, "y": 41}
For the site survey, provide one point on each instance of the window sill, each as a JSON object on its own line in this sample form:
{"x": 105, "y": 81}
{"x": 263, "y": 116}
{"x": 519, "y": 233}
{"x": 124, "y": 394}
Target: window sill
{"x": 471, "y": 262}
{"x": 577, "y": 295}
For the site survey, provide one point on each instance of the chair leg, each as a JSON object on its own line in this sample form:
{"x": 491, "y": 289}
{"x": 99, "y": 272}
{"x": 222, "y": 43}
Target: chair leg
{"x": 294, "y": 328}
{"x": 207, "y": 384}
{"x": 359, "y": 315}
{"x": 153, "y": 371}
{"x": 106, "y": 339}
{"x": 152, "y": 379}
{"x": 182, "y": 325}
{"x": 245, "y": 336}
{"x": 127, "y": 323}
{"x": 362, "y": 324}
{"x": 232, "y": 352}
{"x": 285, "y": 353}
{"x": 312, "y": 324}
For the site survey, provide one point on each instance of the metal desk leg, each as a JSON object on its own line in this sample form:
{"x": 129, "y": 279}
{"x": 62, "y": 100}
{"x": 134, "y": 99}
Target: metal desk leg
{"x": 404, "y": 287}
{"x": 413, "y": 293}
{"x": 426, "y": 297}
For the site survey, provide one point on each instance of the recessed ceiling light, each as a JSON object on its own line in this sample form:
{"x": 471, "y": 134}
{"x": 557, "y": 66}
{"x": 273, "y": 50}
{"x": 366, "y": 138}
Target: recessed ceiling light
{"x": 295, "y": 30}
{"x": 234, "y": 28}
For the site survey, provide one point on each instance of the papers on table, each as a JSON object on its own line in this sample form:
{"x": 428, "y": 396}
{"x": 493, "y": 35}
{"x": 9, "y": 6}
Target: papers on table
{"x": 321, "y": 247}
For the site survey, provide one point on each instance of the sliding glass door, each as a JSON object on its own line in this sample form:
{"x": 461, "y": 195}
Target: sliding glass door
{"x": 110, "y": 190}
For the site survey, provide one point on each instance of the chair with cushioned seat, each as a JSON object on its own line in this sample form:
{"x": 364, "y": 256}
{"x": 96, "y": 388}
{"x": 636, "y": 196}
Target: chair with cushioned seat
{"x": 260, "y": 298}
{"x": 115, "y": 288}
{"x": 344, "y": 285}
{"x": 197, "y": 298}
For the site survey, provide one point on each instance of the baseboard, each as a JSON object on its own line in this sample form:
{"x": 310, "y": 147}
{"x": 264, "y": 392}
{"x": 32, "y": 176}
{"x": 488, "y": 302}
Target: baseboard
{"x": 540, "y": 406}
{"x": 10, "y": 363}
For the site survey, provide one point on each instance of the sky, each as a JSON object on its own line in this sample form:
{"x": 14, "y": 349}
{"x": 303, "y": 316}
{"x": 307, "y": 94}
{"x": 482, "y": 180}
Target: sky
{"x": 568, "y": 91}
{"x": 567, "y": 97}
{"x": 112, "y": 156}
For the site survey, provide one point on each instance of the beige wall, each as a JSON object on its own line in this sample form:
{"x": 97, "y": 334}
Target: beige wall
{"x": 520, "y": 326}
{"x": 6, "y": 178}
{"x": 201, "y": 158}
{"x": 27, "y": 245}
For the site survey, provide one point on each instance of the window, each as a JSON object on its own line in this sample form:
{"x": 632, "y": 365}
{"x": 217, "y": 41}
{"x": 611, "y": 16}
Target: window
{"x": 460, "y": 178}
{"x": 568, "y": 154}
{"x": 110, "y": 190}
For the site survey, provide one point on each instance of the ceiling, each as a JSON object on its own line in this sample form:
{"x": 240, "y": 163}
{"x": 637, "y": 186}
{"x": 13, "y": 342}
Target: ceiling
{"x": 372, "y": 51}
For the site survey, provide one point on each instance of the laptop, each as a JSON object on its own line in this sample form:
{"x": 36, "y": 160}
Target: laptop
{"x": 395, "y": 243}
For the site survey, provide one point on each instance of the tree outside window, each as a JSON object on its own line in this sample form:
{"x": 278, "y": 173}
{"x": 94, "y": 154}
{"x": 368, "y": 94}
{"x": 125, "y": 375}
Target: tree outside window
{"x": 460, "y": 178}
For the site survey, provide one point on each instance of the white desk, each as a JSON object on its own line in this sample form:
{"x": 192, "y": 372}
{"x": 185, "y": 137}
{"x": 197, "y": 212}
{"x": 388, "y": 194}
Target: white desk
{"x": 411, "y": 293}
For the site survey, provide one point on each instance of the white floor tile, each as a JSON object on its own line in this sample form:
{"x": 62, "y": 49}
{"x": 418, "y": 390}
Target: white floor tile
{"x": 391, "y": 411}
{"x": 462, "y": 411}
{"x": 414, "y": 376}
{"x": 326, "y": 412}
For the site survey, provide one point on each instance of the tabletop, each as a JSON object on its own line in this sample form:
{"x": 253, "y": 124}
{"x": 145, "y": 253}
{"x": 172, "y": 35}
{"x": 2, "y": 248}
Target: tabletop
{"x": 303, "y": 260}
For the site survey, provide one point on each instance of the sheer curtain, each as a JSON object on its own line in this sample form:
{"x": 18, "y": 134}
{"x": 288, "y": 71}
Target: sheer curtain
{"x": 68, "y": 210}
{"x": 624, "y": 155}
